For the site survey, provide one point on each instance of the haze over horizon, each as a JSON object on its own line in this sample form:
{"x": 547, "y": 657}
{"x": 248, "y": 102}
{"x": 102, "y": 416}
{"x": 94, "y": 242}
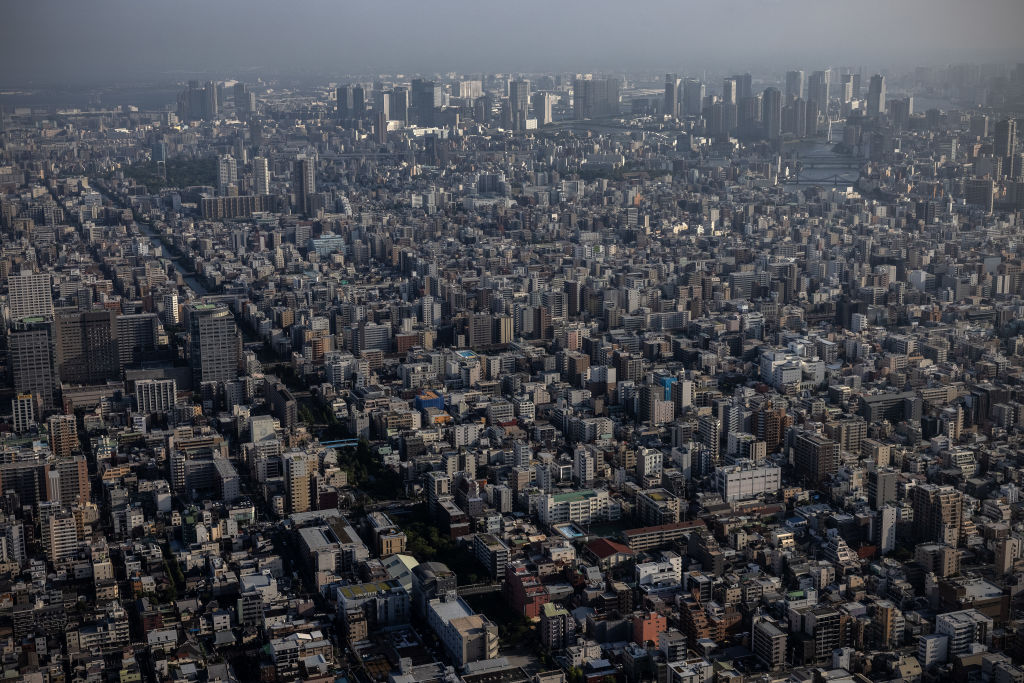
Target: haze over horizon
{"x": 55, "y": 42}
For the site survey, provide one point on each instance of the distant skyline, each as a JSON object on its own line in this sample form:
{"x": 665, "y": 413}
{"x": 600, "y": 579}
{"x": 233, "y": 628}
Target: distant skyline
{"x": 56, "y": 41}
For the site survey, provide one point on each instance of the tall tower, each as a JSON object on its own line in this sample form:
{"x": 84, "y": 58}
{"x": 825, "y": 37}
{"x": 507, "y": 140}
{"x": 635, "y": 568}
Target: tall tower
{"x": 262, "y": 175}
{"x": 227, "y": 174}
{"x": 213, "y": 343}
{"x": 542, "y": 108}
{"x": 87, "y": 347}
{"x": 771, "y": 113}
{"x": 519, "y": 103}
{"x": 794, "y": 84}
{"x": 672, "y": 95}
{"x": 876, "y": 96}
{"x": 303, "y": 183}
{"x": 31, "y": 350}
{"x": 30, "y": 295}
{"x": 693, "y": 97}
{"x": 1005, "y": 138}
{"x": 297, "y": 474}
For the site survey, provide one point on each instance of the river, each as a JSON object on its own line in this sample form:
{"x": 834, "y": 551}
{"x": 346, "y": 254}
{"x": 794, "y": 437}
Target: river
{"x": 191, "y": 280}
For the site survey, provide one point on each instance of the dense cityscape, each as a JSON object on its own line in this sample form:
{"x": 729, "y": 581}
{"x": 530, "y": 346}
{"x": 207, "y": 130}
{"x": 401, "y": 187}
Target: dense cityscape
{"x": 516, "y": 377}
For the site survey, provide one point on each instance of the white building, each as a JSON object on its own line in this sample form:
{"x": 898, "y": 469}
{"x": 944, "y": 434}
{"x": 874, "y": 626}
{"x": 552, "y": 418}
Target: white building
{"x": 746, "y": 480}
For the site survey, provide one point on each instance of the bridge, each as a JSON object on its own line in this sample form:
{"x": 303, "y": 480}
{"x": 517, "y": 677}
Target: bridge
{"x": 479, "y": 589}
{"x": 341, "y": 443}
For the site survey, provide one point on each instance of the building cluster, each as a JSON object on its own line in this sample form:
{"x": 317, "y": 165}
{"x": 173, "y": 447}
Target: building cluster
{"x": 574, "y": 377}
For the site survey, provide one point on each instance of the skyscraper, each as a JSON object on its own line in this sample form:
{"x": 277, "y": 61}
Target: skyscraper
{"x": 262, "y": 175}
{"x": 744, "y": 86}
{"x": 399, "y": 103}
{"x": 213, "y": 343}
{"x": 818, "y": 89}
{"x": 794, "y": 84}
{"x": 303, "y": 183}
{"x": 771, "y": 113}
{"x": 426, "y": 99}
{"x": 693, "y": 97}
{"x": 1005, "y": 138}
{"x": 227, "y": 174}
{"x": 876, "y": 96}
{"x": 729, "y": 95}
{"x": 672, "y": 95}
{"x": 542, "y": 107}
{"x": 87, "y": 347}
{"x": 519, "y": 103}
{"x": 344, "y": 103}
{"x": 31, "y": 349}
{"x": 30, "y": 295}
{"x": 938, "y": 513}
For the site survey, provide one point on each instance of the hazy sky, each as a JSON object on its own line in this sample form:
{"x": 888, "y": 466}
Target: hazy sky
{"x": 101, "y": 40}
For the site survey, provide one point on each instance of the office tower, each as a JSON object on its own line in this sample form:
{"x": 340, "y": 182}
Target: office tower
{"x": 73, "y": 480}
{"x": 399, "y": 103}
{"x": 794, "y": 118}
{"x": 938, "y": 512}
{"x": 137, "y": 337}
{"x": 519, "y": 103}
{"x": 729, "y": 91}
{"x": 794, "y": 84}
{"x": 744, "y": 86}
{"x": 29, "y": 294}
{"x": 59, "y": 534}
{"x": 343, "y": 103}
{"x": 358, "y": 102}
{"x": 298, "y": 470}
{"x": 23, "y": 409}
{"x": 595, "y": 98}
{"x": 303, "y": 183}
{"x": 171, "y": 314}
{"x": 381, "y": 103}
{"x": 980, "y": 193}
{"x": 876, "y": 96}
{"x": 213, "y": 343}
{"x": 815, "y": 457}
{"x": 1004, "y": 142}
{"x": 227, "y": 174}
{"x": 261, "y": 172}
{"x": 380, "y": 130}
{"x": 882, "y": 487}
{"x": 155, "y": 395}
{"x": 87, "y": 347}
{"x": 63, "y": 434}
{"x": 818, "y": 89}
{"x": 672, "y": 95}
{"x": 542, "y": 107}
{"x": 771, "y": 113}
{"x": 856, "y": 81}
{"x": 241, "y": 95}
{"x": 693, "y": 97}
{"x": 211, "y": 103}
{"x": 425, "y": 100}
{"x": 31, "y": 358}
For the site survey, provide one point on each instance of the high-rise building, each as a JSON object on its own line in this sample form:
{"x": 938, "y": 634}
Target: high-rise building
{"x": 227, "y": 175}
{"x": 298, "y": 470}
{"x": 815, "y": 457}
{"x": 744, "y": 86}
{"x": 519, "y": 103}
{"x": 29, "y": 294}
{"x": 72, "y": 480}
{"x": 672, "y": 95}
{"x": 769, "y": 643}
{"x": 729, "y": 91}
{"x": 938, "y": 513}
{"x": 155, "y": 395}
{"x": 818, "y": 89}
{"x": 304, "y": 183}
{"x": 31, "y": 358}
{"x": 426, "y": 98}
{"x": 771, "y": 113}
{"x": 709, "y": 433}
{"x": 59, "y": 534}
{"x": 213, "y": 343}
{"x": 136, "y": 337}
{"x": 1004, "y": 139}
{"x": 693, "y": 97}
{"x": 261, "y": 173}
{"x": 794, "y": 85}
{"x": 980, "y": 193}
{"x": 344, "y": 103}
{"x": 882, "y": 487}
{"x": 399, "y": 103}
{"x": 964, "y": 628}
{"x": 63, "y": 434}
{"x": 24, "y": 410}
{"x": 887, "y": 624}
{"x": 542, "y": 107}
{"x": 595, "y": 98}
{"x": 87, "y": 347}
{"x": 876, "y": 96}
